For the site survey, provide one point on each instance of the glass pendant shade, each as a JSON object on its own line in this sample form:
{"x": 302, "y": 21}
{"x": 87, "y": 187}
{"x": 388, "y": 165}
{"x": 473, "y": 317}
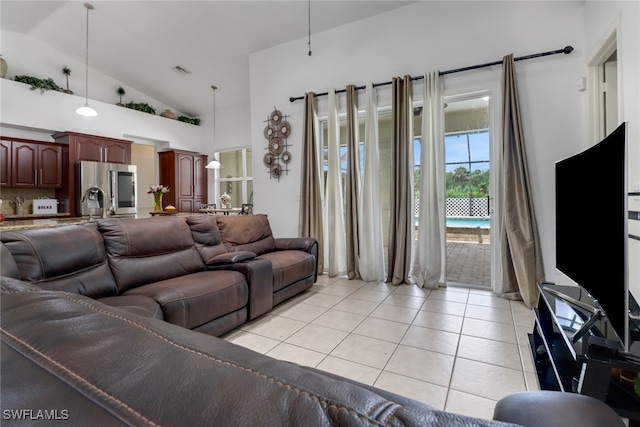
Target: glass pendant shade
{"x": 213, "y": 164}
{"x": 86, "y": 111}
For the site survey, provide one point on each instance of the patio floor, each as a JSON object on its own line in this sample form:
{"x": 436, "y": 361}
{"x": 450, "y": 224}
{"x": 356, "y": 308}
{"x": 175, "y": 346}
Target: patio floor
{"x": 469, "y": 258}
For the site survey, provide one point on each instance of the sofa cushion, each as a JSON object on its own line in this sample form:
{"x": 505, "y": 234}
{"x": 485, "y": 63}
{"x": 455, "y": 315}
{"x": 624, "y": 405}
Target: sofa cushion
{"x": 246, "y": 233}
{"x": 289, "y": 267}
{"x": 70, "y": 258}
{"x": 136, "y": 304}
{"x": 143, "y": 251}
{"x": 206, "y": 234}
{"x": 195, "y": 299}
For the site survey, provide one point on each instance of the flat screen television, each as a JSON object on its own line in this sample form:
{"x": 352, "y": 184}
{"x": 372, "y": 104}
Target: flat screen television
{"x": 591, "y": 226}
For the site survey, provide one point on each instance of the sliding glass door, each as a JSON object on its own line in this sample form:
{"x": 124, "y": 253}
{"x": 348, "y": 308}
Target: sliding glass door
{"x": 468, "y": 197}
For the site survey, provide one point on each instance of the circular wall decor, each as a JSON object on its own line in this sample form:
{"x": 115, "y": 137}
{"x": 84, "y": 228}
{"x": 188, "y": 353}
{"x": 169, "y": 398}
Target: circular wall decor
{"x": 276, "y": 170}
{"x": 276, "y": 146}
{"x": 269, "y": 131}
{"x": 285, "y": 157}
{"x": 275, "y": 117}
{"x": 268, "y": 160}
{"x": 276, "y": 132}
{"x": 284, "y": 130}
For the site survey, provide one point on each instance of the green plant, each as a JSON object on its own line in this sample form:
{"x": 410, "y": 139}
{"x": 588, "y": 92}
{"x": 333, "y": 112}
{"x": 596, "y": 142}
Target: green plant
{"x": 190, "y": 120}
{"x": 67, "y": 72}
{"x": 121, "y": 93}
{"x": 141, "y": 106}
{"x": 36, "y": 83}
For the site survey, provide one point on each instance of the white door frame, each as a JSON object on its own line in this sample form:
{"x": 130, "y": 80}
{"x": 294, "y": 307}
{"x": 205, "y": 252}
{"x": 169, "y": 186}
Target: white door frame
{"x": 605, "y": 47}
{"x": 494, "y": 95}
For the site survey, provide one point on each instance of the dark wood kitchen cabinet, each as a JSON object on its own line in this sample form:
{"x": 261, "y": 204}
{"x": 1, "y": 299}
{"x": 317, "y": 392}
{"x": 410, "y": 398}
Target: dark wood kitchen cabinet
{"x": 5, "y": 163}
{"x": 35, "y": 165}
{"x": 185, "y": 174}
{"x": 95, "y": 148}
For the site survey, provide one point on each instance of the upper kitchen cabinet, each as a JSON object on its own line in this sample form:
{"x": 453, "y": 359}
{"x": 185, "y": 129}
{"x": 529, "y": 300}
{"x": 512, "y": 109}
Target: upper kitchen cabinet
{"x": 31, "y": 164}
{"x": 95, "y": 148}
{"x": 5, "y": 163}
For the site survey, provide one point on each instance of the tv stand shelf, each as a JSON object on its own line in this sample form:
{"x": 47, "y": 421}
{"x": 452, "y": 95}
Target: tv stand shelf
{"x": 572, "y": 357}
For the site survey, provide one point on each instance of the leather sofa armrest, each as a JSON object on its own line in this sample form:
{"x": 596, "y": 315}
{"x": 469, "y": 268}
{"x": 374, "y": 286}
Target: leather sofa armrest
{"x": 295, "y": 243}
{"x": 554, "y": 408}
{"x": 230, "y": 258}
{"x": 260, "y": 279}
{"x": 307, "y": 244}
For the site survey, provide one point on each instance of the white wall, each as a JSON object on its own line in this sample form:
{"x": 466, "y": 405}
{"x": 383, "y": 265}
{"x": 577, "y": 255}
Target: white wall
{"x": 419, "y": 38}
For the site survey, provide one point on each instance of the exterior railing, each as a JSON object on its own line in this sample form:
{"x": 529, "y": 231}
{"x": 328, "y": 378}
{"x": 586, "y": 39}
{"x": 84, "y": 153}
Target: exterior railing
{"x": 463, "y": 207}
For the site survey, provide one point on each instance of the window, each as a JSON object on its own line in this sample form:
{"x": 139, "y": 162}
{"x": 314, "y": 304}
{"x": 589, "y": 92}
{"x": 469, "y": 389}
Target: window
{"x": 236, "y": 176}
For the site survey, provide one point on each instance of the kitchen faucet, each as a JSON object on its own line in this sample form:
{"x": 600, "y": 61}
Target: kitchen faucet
{"x": 93, "y": 202}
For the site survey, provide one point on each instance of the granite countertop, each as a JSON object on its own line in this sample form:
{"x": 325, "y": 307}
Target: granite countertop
{"x": 64, "y": 219}
{"x": 36, "y": 216}
{"x": 24, "y": 224}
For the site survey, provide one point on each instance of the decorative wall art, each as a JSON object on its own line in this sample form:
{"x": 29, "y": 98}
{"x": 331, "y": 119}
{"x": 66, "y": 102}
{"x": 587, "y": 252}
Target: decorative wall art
{"x": 277, "y": 157}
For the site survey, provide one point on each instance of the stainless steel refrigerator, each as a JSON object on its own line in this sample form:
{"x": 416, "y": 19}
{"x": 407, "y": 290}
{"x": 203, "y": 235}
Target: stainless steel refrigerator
{"x": 106, "y": 189}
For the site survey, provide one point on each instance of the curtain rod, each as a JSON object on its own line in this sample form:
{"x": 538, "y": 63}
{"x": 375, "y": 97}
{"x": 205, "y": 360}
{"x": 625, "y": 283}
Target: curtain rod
{"x": 566, "y": 50}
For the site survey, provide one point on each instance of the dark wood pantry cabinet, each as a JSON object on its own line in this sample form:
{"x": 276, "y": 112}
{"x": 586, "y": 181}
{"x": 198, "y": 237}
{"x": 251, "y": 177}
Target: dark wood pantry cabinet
{"x": 185, "y": 174}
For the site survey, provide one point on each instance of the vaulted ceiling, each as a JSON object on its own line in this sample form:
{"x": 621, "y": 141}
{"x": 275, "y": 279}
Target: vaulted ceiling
{"x": 140, "y": 42}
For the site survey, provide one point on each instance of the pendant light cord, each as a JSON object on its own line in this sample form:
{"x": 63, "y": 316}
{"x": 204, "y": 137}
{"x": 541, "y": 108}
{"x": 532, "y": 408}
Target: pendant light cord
{"x": 214, "y": 119}
{"x": 86, "y": 60}
{"x": 309, "y": 43}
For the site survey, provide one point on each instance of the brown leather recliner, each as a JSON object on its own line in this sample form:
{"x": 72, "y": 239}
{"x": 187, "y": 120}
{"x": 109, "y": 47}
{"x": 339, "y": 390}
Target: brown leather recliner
{"x": 293, "y": 260}
{"x": 71, "y": 259}
{"x": 157, "y": 258}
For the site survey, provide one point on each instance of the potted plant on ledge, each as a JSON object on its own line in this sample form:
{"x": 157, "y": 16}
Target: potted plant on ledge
{"x": 67, "y": 72}
{"x": 121, "y": 93}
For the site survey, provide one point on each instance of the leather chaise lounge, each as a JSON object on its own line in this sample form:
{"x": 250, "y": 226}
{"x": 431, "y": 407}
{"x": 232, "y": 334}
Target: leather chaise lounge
{"x": 97, "y": 332}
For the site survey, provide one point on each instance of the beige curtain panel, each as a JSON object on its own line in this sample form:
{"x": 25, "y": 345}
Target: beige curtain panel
{"x": 521, "y": 253}
{"x": 401, "y": 220}
{"x": 311, "y": 191}
{"x": 352, "y": 185}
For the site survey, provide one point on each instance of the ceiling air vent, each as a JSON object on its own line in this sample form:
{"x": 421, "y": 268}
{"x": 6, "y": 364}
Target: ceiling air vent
{"x": 181, "y": 70}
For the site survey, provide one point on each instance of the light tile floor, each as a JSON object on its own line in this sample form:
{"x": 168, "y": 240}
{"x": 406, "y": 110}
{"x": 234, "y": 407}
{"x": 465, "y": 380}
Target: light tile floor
{"x": 456, "y": 349}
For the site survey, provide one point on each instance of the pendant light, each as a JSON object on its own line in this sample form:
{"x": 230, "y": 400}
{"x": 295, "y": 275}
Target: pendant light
{"x": 214, "y": 164}
{"x": 86, "y": 110}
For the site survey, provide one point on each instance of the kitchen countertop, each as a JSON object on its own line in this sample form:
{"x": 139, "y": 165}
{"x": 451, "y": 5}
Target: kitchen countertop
{"x": 65, "y": 219}
{"x": 24, "y": 224}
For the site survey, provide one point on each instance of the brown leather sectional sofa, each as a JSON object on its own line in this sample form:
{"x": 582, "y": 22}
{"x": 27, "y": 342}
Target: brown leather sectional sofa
{"x": 97, "y": 333}
{"x": 206, "y": 273}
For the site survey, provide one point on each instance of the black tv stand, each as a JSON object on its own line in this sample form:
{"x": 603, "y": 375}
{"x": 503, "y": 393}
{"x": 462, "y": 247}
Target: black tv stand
{"x": 596, "y": 313}
{"x": 576, "y": 350}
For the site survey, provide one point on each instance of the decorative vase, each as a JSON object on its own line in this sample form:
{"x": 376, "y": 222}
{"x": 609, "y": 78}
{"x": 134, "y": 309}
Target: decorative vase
{"x": 157, "y": 198}
{"x": 3, "y": 67}
{"x": 168, "y": 114}
{"x": 225, "y": 200}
